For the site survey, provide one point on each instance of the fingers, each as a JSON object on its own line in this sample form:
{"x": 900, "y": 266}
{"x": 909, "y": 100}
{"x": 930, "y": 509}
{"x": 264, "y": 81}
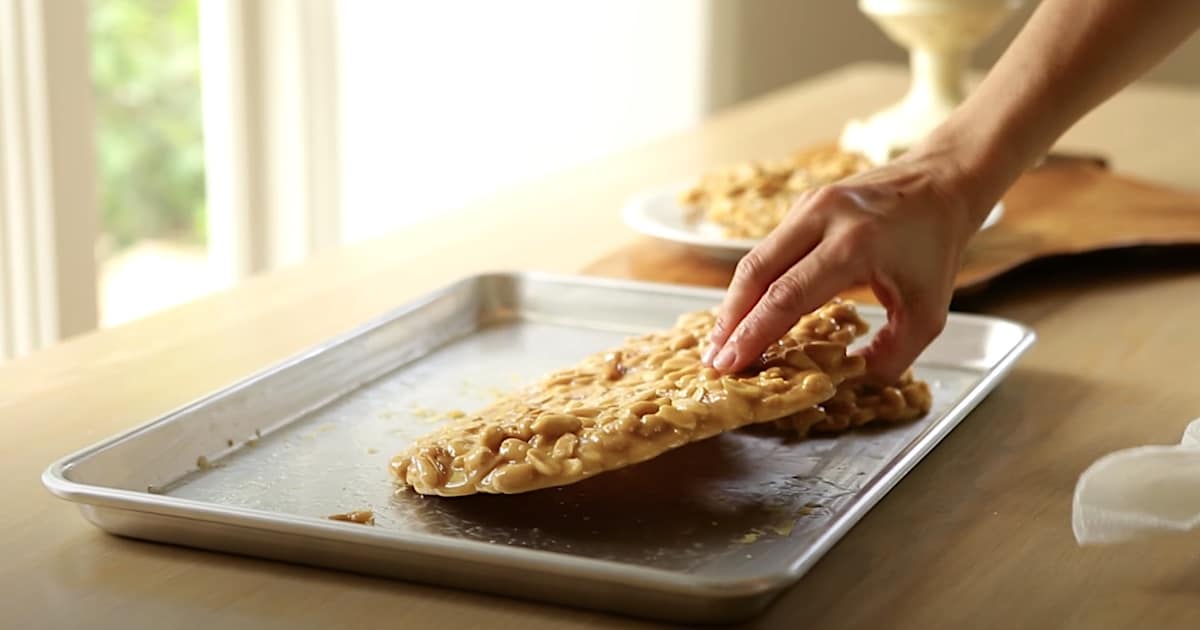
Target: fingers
{"x": 808, "y": 284}
{"x": 758, "y": 269}
{"x": 911, "y": 326}
{"x": 836, "y": 238}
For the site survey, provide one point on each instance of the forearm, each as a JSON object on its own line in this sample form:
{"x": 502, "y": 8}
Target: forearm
{"x": 1070, "y": 57}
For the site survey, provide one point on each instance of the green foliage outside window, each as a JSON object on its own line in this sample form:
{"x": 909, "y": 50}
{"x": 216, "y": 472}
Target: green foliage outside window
{"x": 146, "y": 74}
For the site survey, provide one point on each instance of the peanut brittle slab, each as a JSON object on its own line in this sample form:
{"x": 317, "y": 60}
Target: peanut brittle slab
{"x": 630, "y": 404}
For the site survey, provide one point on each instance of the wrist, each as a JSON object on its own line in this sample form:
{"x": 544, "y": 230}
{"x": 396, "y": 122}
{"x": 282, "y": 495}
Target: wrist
{"x": 972, "y": 167}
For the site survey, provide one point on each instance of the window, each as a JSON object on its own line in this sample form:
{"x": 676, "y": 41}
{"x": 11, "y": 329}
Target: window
{"x": 154, "y": 150}
{"x": 145, "y": 65}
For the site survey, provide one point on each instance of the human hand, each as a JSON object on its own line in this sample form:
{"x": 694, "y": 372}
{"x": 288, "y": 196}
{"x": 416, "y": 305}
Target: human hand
{"x": 900, "y": 228}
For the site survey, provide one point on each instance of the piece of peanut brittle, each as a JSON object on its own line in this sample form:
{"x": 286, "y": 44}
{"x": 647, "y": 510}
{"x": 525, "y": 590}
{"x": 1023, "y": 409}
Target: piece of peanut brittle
{"x": 857, "y": 402}
{"x": 629, "y": 405}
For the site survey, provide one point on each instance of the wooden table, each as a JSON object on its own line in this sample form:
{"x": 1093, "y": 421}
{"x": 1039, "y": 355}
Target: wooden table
{"x": 978, "y": 535}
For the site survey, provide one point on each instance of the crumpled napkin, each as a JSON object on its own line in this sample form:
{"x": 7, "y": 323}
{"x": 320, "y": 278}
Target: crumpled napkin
{"x": 1137, "y": 492}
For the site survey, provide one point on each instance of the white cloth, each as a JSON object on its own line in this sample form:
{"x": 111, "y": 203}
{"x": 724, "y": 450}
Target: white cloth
{"x": 1137, "y": 492}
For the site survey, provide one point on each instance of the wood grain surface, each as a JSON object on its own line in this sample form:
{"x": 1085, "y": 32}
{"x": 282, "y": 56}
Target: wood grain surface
{"x": 977, "y": 536}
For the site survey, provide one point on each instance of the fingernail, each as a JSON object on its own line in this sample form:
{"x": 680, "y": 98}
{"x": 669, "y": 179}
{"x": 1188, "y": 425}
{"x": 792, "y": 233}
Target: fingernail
{"x": 725, "y": 358}
{"x": 708, "y": 355}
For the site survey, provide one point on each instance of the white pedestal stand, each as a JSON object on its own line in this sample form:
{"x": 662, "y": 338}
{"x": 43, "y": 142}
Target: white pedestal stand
{"x": 940, "y": 36}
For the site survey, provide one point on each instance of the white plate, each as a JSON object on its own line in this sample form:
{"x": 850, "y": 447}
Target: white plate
{"x": 657, "y": 213}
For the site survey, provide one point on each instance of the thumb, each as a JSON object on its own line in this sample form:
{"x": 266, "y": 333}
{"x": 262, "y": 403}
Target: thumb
{"x": 913, "y": 322}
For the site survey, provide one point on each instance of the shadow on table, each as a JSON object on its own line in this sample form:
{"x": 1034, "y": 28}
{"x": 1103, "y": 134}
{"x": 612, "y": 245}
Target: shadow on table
{"x": 1099, "y": 270}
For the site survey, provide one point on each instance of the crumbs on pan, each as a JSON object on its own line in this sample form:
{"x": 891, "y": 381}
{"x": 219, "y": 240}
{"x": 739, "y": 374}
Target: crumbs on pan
{"x": 749, "y": 537}
{"x": 359, "y": 517}
{"x": 782, "y": 529}
{"x": 809, "y": 508}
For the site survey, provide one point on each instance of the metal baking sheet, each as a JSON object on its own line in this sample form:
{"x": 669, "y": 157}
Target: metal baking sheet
{"x": 711, "y": 532}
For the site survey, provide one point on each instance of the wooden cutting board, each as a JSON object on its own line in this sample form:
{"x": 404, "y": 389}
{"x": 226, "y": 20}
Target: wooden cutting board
{"x": 1064, "y": 207}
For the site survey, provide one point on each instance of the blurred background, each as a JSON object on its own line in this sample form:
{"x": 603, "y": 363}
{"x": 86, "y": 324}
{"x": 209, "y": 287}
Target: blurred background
{"x": 158, "y": 150}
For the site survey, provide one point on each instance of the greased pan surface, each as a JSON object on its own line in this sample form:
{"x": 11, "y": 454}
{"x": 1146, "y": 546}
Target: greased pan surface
{"x": 711, "y": 532}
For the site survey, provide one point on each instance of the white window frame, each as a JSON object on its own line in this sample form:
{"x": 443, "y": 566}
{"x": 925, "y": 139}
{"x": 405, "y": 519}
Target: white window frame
{"x": 270, "y": 93}
{"x": 48, "y": 208}
{"x": 270, "y": 89}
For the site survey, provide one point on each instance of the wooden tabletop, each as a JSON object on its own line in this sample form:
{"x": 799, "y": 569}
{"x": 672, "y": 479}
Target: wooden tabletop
{"x": 978, "y": 535}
